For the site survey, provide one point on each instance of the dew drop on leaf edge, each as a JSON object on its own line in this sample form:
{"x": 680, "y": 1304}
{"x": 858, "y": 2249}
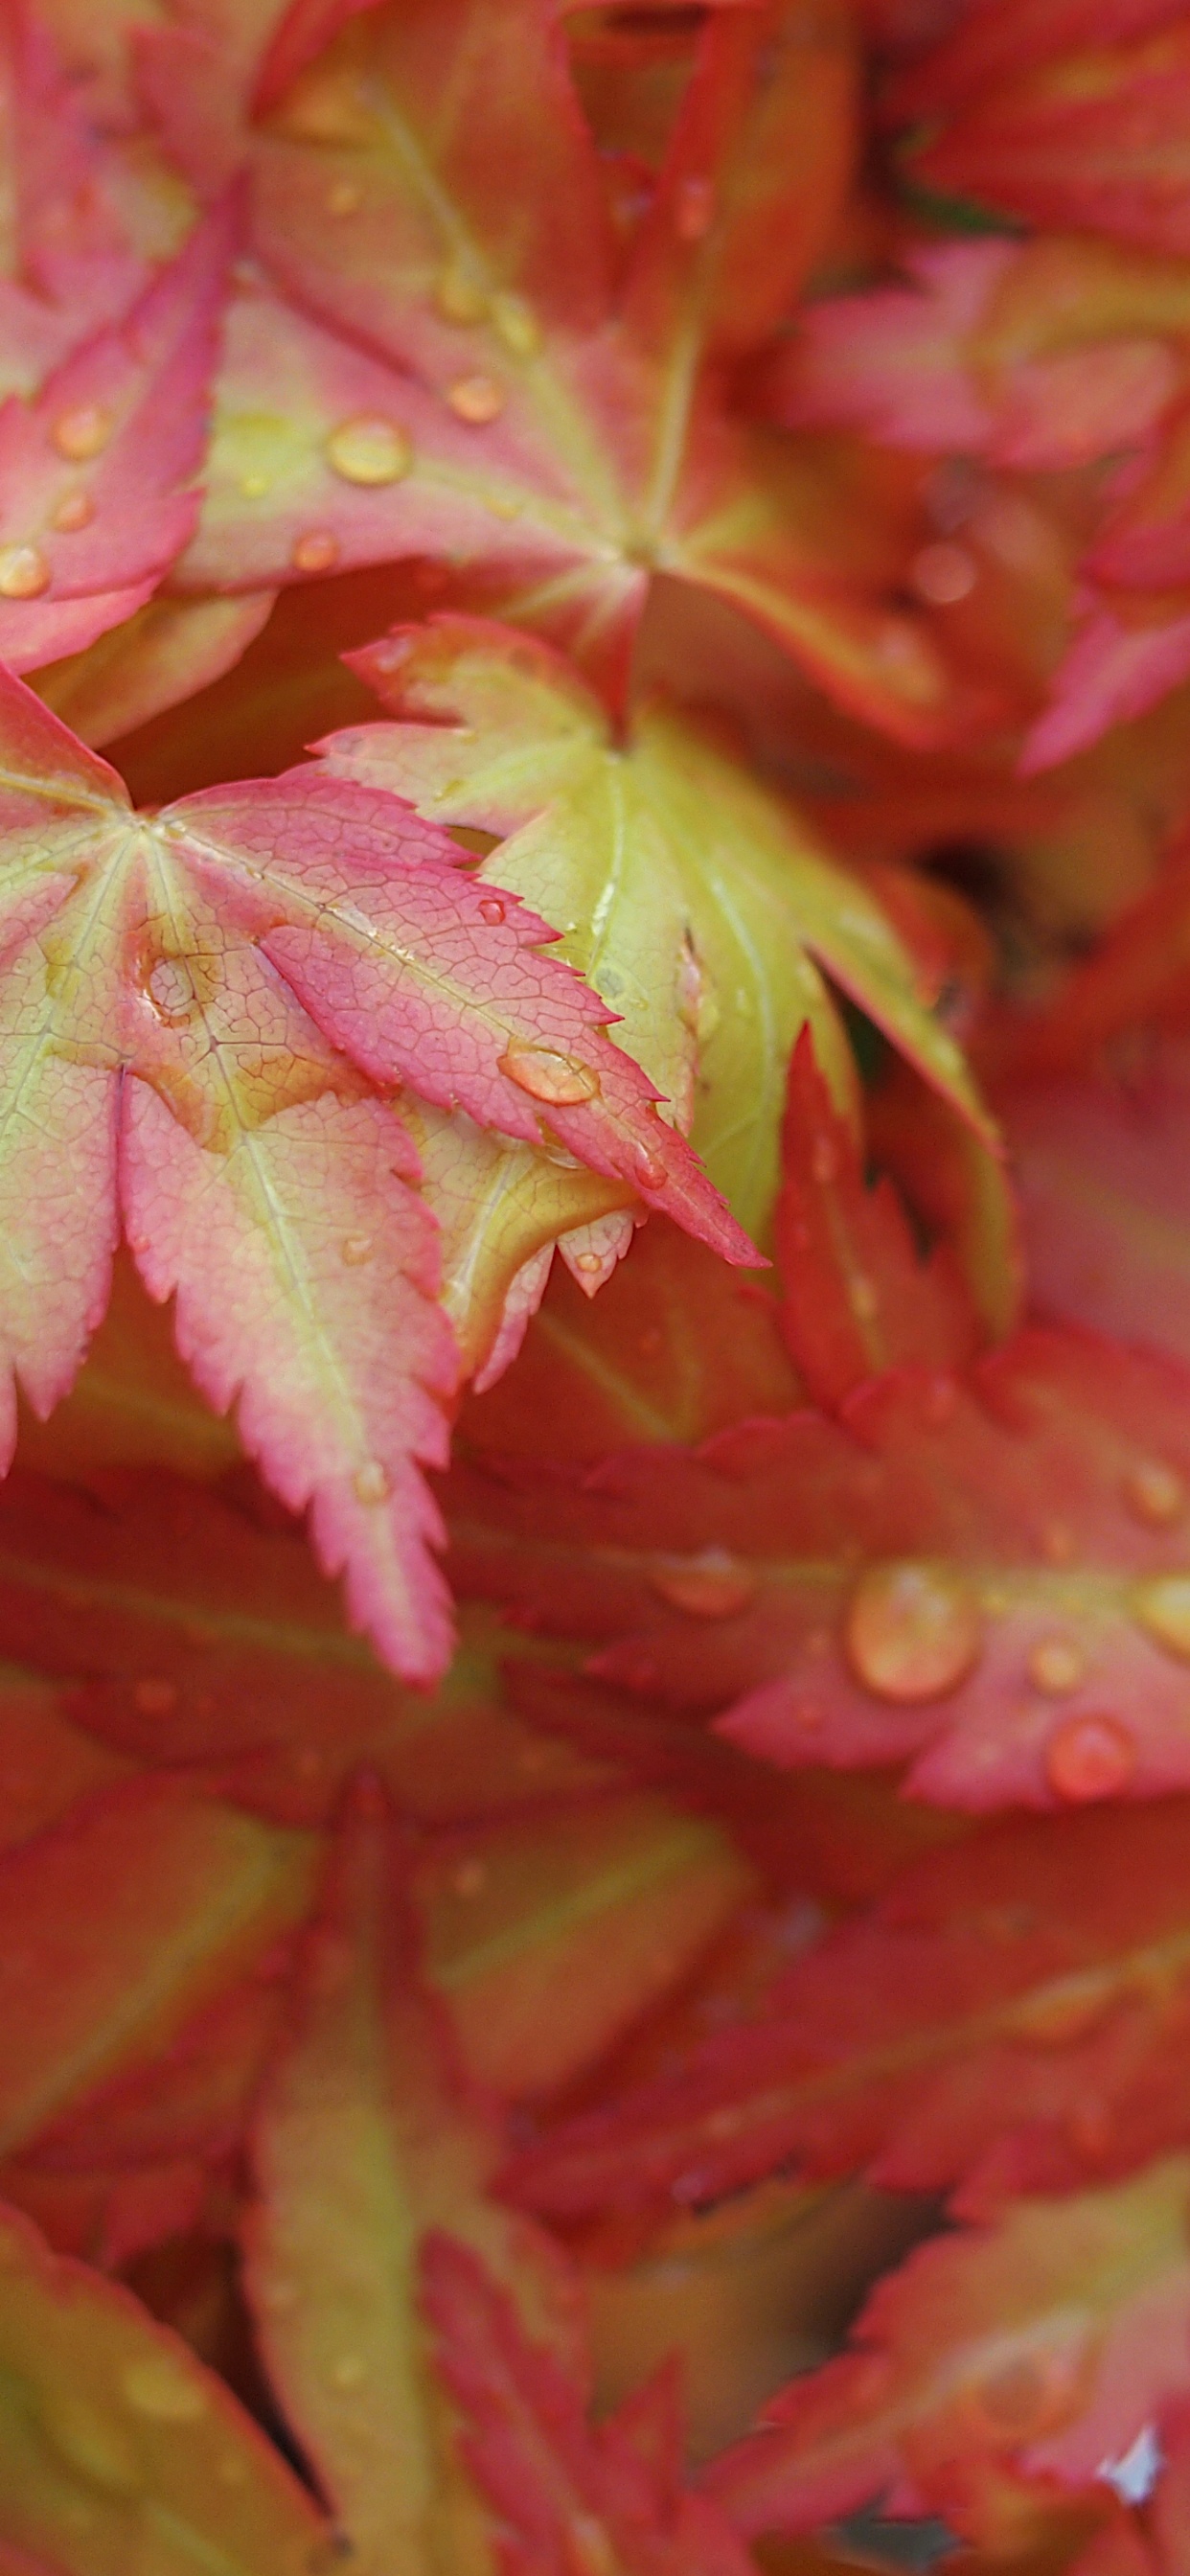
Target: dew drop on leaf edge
{"x": 562, "y": 1081}
{"x": 912, "y": 1631}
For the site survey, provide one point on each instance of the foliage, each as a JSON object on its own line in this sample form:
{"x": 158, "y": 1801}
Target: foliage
{"x": 594, "y": 1071}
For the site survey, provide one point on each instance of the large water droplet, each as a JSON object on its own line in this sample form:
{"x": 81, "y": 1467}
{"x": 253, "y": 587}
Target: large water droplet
{"x": 1155, "y": 1492}
{"x": 373, "y": 1484}
{"x": 1090, "y": 1757}
{"x": 491, "y": 909}
{"x": 159, "y": 2387}
{"x": 1056, "y": 1665}
{"x": 1163, "y": 1609}
{"x": 648, "y": 1170}
{"x": 711, "y": 1586}
{"x": 370, "y": 450}
{"x": 316, "y": 551}
{"x": 561, "y": 1080}
{"x": 476, "y": 399}
{"x": 911, "y": 1631}
{"x": 82, "y": 432}
{"x": 24, "y": 572}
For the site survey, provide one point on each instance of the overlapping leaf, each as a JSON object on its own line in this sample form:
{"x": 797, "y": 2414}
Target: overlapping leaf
{"x": 507, "y": 404}
{"x": 998, "y": 2369}
{"x": 1017, "y": 2001}
{"x": 986, "y": 1579}
{"x": 224, "y": 953}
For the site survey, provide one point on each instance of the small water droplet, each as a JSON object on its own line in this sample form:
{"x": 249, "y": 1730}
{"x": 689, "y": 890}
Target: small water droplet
{"x": 1162, "y": 1607}
{"x": 588, "y": 1262}
{"x": 491, "y": 909}
{"x": 1056, "y": 1665}
{"x": 82, "y": 432}
{"x": 711, "y": 1586}
{"x": 373, "y": 1484}
{"x": 1090, "y": 1757}
{"x": 942, "y": 574}
{"x": 517, "y": 325}
{"x": 74, "y": 512}
{"x": 648, "y": 1170}
{"x": 562, "y": 1080}
{"x": 315, "y": 552}
{"x": 159, "y": 2387}
{"x": 370, "y": 450}
{"x": 349, "y": 2371}
{"x": 1155, "y": 1492}
{"x": 345, "y": 198}
{"x": 864, "y": 1297}
{"x": 24, "y": 572}
{"x": 694, "y": 209}
{"x": 155, "y": 1696}
{"x": 169, "y": 987}
{"x": 476, "y": 399}
{"x": 356, "y": 1249}
{"x": 824, "y": 1161}
{"x": 458, "y": 298}
{"x": 911, "y": 1631}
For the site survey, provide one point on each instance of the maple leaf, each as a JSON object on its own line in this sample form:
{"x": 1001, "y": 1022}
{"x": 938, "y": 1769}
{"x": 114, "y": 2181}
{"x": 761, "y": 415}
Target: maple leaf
{"x": 564, "y": 2493}
{"x": 1041, "y": 355}
{"x": 367, "y": 2138}
{"x": 96, "y": 468}
{"x": 1085, "y": 128}
{"x": 164, "y": 652}
{"x": 1100, "y": 1171}
{"x": 117, "y": 2448}
{"x": 1025, "y": 2354}
{"x": 677, "y": 882}
{"x": 224, "y": 951}
{"x": 890, "y": 1586}
{"x": 506, "y": 403}
{"x": 858, "y": 1298}
{"x": 1005, "y": 2009}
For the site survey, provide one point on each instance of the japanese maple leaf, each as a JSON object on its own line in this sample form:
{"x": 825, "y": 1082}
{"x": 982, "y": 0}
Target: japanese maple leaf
{"x": 1101, "y": 1172}
{"x": 565, "y": 2492}
{"x": 96, "y": 470}
{"x": 857, "y": 1296}
{"x": 367, "y": 2138}
{"x": 1010, "y": 2005}
{"x": 69, "y": 264}
{"x": 455, "y": 370}
{"x": 118, "y": 2448}
{"x": 698, "y": 906}
{"x": 267, "y": 961}
{"x": 1085, "y": 122}
{"x": 985, "y": 1578}
{"x": 1034, "y": 2348}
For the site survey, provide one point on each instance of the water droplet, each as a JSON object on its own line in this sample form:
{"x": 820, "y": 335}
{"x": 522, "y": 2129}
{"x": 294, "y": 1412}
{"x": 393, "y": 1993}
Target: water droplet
{"x": 1163, "y": 1608}
{"x": 943, "y": 574}
{"x": 491, "y": 909}
{"x": 315, "y": 552}
{"x": 373, "y": 1484}
{"x": 588, "y": 1262}
{"x": 349, "y": 2371}
{"x": 517, "y": 325}
{"x": 169, "y": 986}
{"x": 81, "y": 433}
{"x": 1155, "y": 1492}
{"x": 355, "y": 1249}
{"x": 824, "y": 1161}
{"x": 155, "y": 1696}
{"x": 1090, "y": 1757}
{"x": 864, "y": 1297}
{"x": 74, "y": 512}
{"x": 911, "y": 1631}
{"x": 370, "y": 450}
{"x": 1056, "y": 1665}
{"x": 559, "y": 1079}
{"x": 470, "y": 1878}
{"x": 458, "y": 298}
{"x": 159, "y": 2387}
{"x": 711, "y": 1586}
{"x": 647, "y": 1168}
{"x": 694, "y": 209}
{"x": 476, "y": 399}
{"x": 24, "y": 572}
{"x": 345, "y": 198}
